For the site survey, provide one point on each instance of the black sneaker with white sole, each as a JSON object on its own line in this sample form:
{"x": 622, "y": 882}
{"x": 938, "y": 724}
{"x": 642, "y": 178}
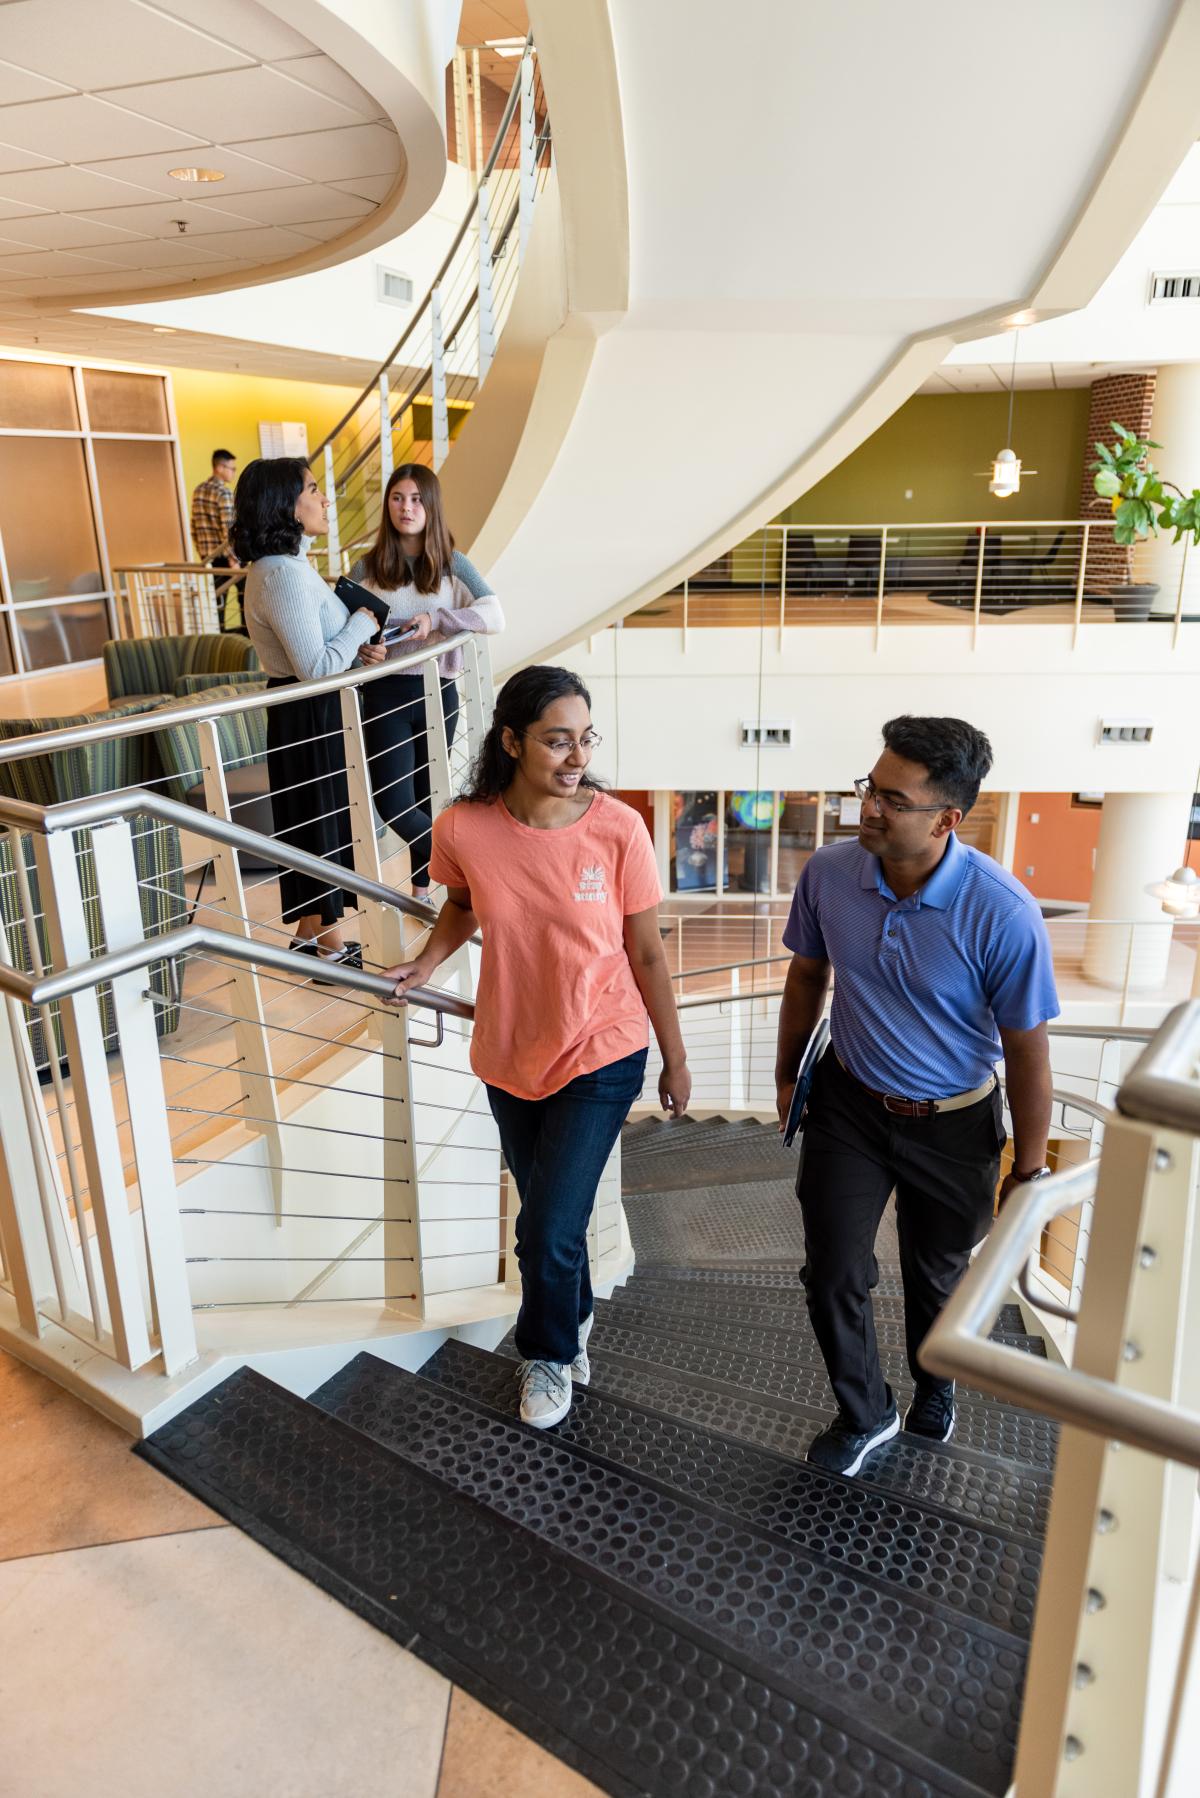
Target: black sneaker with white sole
{"x": 843, "y": 1449}
{"x": 931, "y": 1413}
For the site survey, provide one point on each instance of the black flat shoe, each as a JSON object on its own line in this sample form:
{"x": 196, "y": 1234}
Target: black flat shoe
{"x": 349, "y": 956}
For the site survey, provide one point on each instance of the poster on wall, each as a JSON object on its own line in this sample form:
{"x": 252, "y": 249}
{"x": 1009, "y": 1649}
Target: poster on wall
{"x": 282, "y": 439}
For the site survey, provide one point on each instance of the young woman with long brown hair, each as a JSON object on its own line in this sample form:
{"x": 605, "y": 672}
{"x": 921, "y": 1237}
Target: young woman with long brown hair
{"x": 430, "y": 585}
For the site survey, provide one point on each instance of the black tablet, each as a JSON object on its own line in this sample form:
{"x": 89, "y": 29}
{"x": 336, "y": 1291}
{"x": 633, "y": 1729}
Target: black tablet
{"x": 352, "y": 596}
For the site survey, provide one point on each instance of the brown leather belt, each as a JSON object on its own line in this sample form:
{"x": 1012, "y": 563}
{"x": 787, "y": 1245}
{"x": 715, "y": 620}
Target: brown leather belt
{"x": 922, "y": 1108}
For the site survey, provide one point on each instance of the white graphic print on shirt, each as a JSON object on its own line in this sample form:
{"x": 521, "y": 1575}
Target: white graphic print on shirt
{"x": 591, "y": 889}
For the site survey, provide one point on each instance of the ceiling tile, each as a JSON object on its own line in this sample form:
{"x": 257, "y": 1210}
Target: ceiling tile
{"x": 18, "y": 84}
{"x": 158, "y": 252}
{"x": 82, "y": 128}
{"x": 68, "y": 190}
{"x": 12, "y": 158}
{"x": 258, "y": 243}
{"x": 158, "y": 218}
{"x": 295, "y": 205}
{"x": 12, "y": 209}
{"x": 230, "y": 106}
{"x": 321, "y": 230}
{"x": 332, "y": 155}
{"x": 242, "y": 174}
{"x": 325, "y": 75}
{"x": 251, "y": 28}
{"x": 367, "y": 187}
{"x": 50, "y": 262}
{"x": 61, "y": 231}
{"x": 93, "y": 46}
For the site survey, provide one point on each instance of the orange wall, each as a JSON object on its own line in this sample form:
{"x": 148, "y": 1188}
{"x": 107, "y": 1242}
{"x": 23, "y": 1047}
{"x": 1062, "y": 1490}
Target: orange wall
{"x": 1058, "y": 847}
{"x": 642, "y": 802}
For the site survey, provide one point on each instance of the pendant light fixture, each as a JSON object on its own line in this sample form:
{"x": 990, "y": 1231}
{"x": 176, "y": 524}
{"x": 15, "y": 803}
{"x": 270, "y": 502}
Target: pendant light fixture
{"x": 1179, "y": 893}
{"x": 1006, "y": 464}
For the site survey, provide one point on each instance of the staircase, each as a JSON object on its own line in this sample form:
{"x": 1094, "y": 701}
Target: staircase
{"x": 660, "y": 1590}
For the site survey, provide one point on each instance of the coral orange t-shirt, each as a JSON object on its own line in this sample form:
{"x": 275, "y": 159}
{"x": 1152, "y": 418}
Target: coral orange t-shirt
{"x": 557, "y": 997}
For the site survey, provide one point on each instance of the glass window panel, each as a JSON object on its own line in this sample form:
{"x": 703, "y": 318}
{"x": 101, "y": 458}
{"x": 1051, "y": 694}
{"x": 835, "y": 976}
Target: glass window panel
{"x": 6, "y": 655}
{"x": 139, "y": 503}
{"x": 52, "y": 635}
{"x": 46, "y": 518}
{"x": 842, "y": 812}
{"x": 37, "y": 396}
{"x": 120, "y": 402}
{"x": 694, "y": 864}
{"x": 797, "y": 836}
{"x": 748, "y": 818}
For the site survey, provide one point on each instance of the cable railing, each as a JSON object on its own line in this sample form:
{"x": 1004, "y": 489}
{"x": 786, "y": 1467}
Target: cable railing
{"x": 423, "y": 392}
{"x": 974, "y": 575}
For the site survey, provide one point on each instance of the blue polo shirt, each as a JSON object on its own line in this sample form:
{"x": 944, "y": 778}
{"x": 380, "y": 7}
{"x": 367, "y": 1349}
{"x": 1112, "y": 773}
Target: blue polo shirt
{"x": 921, "y": 984}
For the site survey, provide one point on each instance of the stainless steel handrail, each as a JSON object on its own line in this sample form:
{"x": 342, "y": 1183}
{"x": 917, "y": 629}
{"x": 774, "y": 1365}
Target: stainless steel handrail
{"x": 727, "y": 967}
{"x": 19, "y": 749}
{"x": 1157, "y": 1088}
{"x": 957, "y": 1347}
{"x": 67, "y": 981}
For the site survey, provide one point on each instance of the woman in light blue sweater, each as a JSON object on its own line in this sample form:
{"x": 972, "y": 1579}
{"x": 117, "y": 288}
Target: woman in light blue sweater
{"x": 301, "y": 632}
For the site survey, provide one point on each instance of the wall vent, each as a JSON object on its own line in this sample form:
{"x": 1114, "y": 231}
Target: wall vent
{"x": 1178, "y": 284}
{"x": 760, "y": 733}
{"x": 391, "y": 287}
{"x": 1126, "y": 730}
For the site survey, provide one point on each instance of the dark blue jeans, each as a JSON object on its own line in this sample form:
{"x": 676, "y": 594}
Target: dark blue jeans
{"x": 556, "y": 1149}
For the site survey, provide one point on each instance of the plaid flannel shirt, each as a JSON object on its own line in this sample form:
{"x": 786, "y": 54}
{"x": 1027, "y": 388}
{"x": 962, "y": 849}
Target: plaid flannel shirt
{"x": 212, "y": 519}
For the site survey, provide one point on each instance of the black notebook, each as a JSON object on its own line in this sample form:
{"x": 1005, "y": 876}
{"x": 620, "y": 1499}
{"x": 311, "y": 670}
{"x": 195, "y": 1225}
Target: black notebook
{"x": 353, "y": 597}
{"x": 804, "y": 1080}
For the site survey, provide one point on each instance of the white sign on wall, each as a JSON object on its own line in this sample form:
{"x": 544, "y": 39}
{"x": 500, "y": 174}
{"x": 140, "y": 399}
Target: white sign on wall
{"x": 849, "y": 810}
{"x": 282, "y": 439}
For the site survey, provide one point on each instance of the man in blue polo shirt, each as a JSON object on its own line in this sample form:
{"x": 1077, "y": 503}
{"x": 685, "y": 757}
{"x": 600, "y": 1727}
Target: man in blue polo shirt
{"x": 942, "y": 967}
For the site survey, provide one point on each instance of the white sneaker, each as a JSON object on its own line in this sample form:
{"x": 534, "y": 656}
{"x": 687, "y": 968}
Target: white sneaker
{"x": 545, "y": 1392}
{"x": 581, "y": 1367}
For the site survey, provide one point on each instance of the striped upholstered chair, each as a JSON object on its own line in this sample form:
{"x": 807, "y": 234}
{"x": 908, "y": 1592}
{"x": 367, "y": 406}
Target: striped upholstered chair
{"x": 160, "y": 666}
{"x": 103, "y": 767}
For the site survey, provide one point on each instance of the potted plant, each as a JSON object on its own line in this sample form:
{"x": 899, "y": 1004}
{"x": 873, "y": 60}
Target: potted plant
{"x": 1142, "y": 506}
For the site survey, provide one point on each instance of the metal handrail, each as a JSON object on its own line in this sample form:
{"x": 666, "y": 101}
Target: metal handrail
{"x": 111, "y": 966}
{"x": 506, "y": 118}
{"x": 19, "y": 749}
{"x": 957, "y": 1347}
{"x": 1157, "y": 1089}
{"x": 727, "y": 967}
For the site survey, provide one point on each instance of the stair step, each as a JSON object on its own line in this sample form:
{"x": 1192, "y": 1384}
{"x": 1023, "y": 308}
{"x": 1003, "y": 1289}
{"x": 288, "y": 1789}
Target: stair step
{"x": 637, "y": 1698}
{"x": 828, "y": 1637}
{"x": 768, "y": 1276}
{"x": 674, "y": 1139}
{"x": 717, "y": 1162}
{"x": 979, "y": 1572}
{"x": 982, "y": 1422}
{"x": 754, "y": 1301}
{"x": 788, "y": 1316}
{"x": 706, "y": 1224}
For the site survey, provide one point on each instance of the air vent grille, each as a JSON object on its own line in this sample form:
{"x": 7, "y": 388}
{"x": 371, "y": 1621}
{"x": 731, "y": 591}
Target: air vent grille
{"x": 760, "y": 733}
{"x": 392, "y": 287}
{"x": 1126, "y": 730}
{"x": 1180, "y": 285}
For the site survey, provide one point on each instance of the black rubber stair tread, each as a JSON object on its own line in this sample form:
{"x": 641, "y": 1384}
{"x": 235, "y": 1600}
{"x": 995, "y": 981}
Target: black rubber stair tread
{"x": 676, "y": 1287}
{"x": 638, "y": 1700}
{"x": 835, "y": 1641}
{"x": 719, "y": 1162}
{"x": 715, "y": 1134}
{"x": 982, "y": 1423}
{"x": 790, "y": 1317}
{"x": 977, "y": 1572}
{"x": 706, "y": 1224}
{"x": 1002, "y": 1494}
{"x": 769, "y": 1276}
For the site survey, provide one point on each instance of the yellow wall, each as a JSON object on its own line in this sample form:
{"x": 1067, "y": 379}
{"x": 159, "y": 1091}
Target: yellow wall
{"x": 222, "y": 411}
{"x": 937, "y": 445}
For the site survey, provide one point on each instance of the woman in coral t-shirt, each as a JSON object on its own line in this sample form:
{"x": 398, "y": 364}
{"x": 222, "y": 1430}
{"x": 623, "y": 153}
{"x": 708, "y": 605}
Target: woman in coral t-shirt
{"x": 560, "y": 879}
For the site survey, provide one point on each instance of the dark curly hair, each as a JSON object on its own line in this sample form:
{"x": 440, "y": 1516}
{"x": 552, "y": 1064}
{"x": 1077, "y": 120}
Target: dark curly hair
{"x": 519, "y": 703}
{"x": 955, "y": 756}
{"x": 264, "y": 508}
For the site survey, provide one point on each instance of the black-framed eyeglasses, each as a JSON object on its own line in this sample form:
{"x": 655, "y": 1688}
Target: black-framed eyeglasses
{"x": 866, "y": 789}
{"x": 560, "y": 746}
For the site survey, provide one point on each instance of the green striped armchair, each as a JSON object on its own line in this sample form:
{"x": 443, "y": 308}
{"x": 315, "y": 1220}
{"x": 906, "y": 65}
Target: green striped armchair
{"x": 158, "y": 666}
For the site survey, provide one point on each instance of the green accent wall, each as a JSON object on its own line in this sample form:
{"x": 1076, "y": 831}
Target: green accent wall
{"x": 938, "y": 444}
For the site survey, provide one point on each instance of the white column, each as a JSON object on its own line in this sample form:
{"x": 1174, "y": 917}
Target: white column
{"x": 1175, "y": 423}
{"x": 1142, "y": 839}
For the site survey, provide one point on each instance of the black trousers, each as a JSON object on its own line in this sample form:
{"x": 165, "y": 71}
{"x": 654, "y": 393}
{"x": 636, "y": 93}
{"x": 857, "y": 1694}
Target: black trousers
{"x": 306, "y": 771}
{"x": 944, "y": 1171}
{"x": 398, "y": 752}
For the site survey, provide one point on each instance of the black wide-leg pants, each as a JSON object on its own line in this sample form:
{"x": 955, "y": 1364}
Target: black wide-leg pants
{"x": 944, "y": 1171}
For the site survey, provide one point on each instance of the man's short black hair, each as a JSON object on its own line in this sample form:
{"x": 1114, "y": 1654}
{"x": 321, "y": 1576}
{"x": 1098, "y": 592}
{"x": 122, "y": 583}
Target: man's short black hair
{"x": 955, "y": 756}
{"x": 223, "y": 456}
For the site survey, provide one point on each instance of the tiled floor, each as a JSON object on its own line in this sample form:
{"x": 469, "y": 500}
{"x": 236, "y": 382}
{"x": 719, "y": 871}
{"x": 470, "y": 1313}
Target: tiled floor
{"x": 148, "y": 1647}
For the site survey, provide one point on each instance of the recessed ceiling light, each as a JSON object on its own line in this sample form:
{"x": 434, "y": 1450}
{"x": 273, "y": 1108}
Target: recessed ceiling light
{"x": 164, "y": 330}
{"x": 196, "y": 174}
{"x": 505, "y": 46}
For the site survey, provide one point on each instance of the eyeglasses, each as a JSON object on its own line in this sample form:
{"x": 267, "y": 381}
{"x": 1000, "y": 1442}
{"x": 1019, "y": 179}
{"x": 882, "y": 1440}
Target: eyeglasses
{"x": 560, "y": 746}
{"x": 891, "y": 808}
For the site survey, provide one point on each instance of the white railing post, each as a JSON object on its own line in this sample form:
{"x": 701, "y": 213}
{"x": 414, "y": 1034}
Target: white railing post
{"x": 783, "y": 556}
{"x": 879, "y": 591}
{"x": 462, "y": 143}
{"x": 978, "y": 588}
{"x": 385, "y": 433}
{"x": 333, "y": 548}
{"x": 166, "y": 1265}
{"x": 1079, "y": 584}
{"x": 441, "y": 417}
{"x": 83, "y": 1030}
{"x": 1183, "y": 562}
{"x": 250, "y": 1029}
{"x": 487, "y": 309}
{"x": 477, "y": 108}
{"x": 737, "y": 1080}
{"x": 478, "y": 696}
{"x": 528, "y": 160}
{"x": 31, "y": 1257}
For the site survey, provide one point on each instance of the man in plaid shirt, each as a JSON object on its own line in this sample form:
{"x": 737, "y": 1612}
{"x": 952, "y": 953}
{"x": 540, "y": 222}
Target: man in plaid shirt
{"x": 212, "y": 521}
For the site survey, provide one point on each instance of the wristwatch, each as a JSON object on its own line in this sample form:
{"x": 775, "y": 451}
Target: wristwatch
{"x": 1039, "y": 1173}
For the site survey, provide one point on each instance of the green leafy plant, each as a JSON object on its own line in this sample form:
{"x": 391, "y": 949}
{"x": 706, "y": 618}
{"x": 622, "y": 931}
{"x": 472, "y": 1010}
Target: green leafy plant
{"x": 1141, "y": 502}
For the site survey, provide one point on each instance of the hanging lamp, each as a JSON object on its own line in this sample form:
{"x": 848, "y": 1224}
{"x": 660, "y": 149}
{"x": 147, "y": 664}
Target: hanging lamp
{"x": 1006, "y": 464}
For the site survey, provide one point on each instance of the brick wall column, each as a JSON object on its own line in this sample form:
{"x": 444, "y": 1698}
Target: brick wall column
{"x": 1129, "y": 399}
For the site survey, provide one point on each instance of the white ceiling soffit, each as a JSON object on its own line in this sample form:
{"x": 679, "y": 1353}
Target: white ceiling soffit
{"x": 101, "y": 99}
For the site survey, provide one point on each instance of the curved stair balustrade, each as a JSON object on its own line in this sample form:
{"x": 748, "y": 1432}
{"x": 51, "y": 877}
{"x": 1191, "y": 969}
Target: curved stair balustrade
{"x": 423, "y": 391}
